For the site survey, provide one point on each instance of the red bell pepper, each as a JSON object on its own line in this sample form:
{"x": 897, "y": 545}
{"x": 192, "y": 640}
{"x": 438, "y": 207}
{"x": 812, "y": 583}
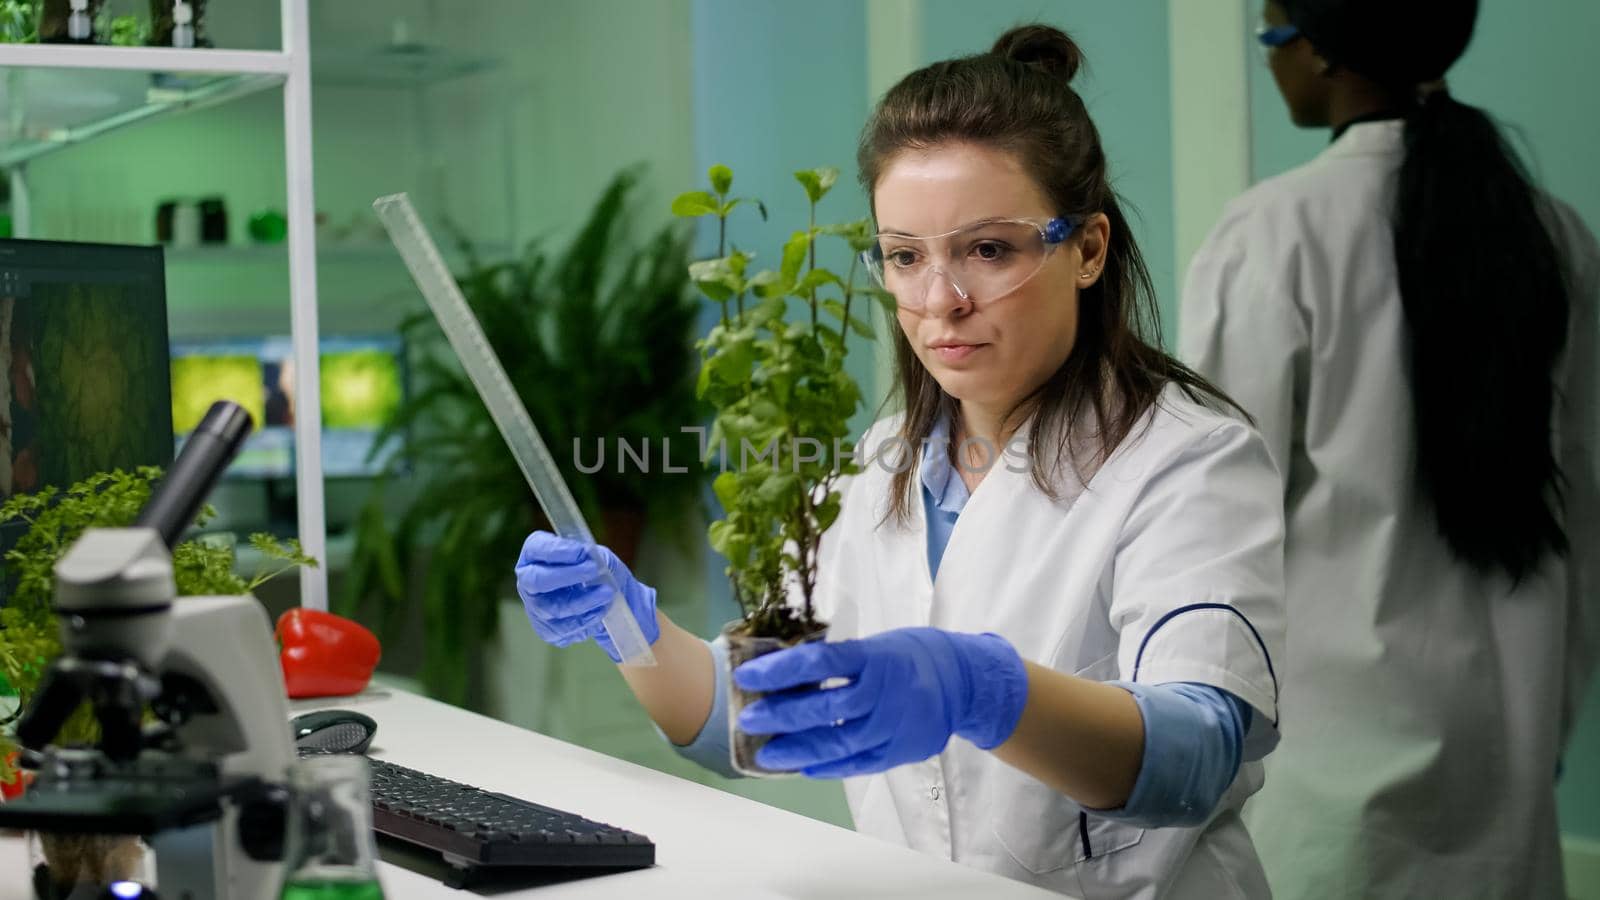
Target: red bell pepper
{"x": 12, "y": 787}
{"x": 324, "y": 655}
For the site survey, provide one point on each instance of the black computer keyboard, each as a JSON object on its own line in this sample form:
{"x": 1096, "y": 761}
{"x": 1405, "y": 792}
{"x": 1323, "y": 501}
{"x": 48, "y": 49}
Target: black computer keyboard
{"x": 474, "y": 828}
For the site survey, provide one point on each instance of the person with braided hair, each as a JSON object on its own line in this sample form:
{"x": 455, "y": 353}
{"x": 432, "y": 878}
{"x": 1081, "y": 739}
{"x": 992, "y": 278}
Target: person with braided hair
{"x": 1413, "y": 325}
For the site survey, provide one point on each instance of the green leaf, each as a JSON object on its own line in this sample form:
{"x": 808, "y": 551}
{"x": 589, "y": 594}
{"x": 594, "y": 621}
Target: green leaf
{"x": 768, "y": 310}
{"x": 794, "y": 255}
{"x": 715, "y": 290}
{"x": 768, "y": 283}
{"x": 859, "y": 233}
{"x": 765, "y": 410}
{"x": 731, "y": 366}
{"x": 780, "y": 380}
{"x": 817, "y": 181}
{"x": 863, "y": 328}
{"x": 884, "y": 298}
{"x": 729, "y": 206}
{"x": 721, "y": 178}
{"x": 719, "y": 534}
{"x": 708, "y": 269}
{"x": 694, "y": 204}
{"x": 715, "y": 277}
{"x": 779, "y": 487}
{"x": 715, "y": 440}
{"x": 726, "y": 487}
{"x": 703, "y": 381}
{"x": 817, "y": 278}
{"x": 828, "y": 511}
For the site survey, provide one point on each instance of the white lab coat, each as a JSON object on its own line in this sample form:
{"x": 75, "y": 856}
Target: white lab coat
{"x": 1424, "y": 706}
{"x": 1168, "y": 568}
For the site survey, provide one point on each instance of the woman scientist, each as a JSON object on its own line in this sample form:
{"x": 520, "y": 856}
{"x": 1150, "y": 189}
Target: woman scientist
{"x": 1096, "y": 628}
{"x": 1413, "y": 326}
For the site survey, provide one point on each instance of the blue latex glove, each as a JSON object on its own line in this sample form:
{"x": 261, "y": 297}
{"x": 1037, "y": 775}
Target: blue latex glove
{"x": 557, "y": 580}
{"x": 910, "y": 690}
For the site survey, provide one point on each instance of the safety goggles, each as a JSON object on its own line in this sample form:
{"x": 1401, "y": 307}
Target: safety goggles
{"x": 1272, "y": 37}
{"x": 982, "y": 262}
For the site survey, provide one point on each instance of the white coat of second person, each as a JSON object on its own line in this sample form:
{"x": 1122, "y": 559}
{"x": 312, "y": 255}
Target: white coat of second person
{"x": 1413, "y": 325}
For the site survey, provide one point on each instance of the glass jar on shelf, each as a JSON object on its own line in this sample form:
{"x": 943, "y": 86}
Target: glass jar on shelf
{"x": 178, "y": 23}
{"x": 68, "y": 21}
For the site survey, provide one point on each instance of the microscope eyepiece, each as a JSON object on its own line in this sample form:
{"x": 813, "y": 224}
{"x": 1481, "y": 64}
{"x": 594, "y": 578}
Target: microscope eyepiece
{"x": 207, "y": 452}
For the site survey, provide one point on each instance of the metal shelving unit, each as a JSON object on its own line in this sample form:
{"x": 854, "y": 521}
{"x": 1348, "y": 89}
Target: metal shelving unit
{"x": 221, "y": 75}
{"x": 121, "y": 101}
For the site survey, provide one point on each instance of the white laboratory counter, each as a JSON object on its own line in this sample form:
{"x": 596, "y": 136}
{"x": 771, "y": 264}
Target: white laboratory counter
{"x": 709, "y": 844}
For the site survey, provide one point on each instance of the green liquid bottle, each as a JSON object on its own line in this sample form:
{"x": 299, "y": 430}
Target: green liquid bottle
{"x": 327, "y": 889}
{"x": 329, "y": 852}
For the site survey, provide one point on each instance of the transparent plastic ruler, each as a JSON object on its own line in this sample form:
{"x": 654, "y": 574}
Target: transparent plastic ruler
{"x": 466, "y": 337}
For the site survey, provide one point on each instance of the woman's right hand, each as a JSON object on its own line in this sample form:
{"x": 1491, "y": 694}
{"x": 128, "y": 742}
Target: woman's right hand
{"x": 560, "y": 588}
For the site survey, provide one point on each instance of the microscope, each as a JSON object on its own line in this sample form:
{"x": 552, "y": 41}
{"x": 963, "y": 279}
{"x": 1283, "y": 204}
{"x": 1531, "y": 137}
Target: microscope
{"x": 194, "y": 745}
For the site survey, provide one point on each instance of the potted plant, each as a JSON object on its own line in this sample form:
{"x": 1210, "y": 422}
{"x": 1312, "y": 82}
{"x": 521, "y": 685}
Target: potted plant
{"x": 782, "y": 396}
{"x": 598, "y": 342}
{"x": 20, "y": 24}
{"x": 30, "y": 635}
{"x": 19, "y": 21}
{"x": 122, "y": 31}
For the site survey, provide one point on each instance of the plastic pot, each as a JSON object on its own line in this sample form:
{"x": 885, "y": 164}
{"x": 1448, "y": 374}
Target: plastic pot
{"x": 741, "y": 649}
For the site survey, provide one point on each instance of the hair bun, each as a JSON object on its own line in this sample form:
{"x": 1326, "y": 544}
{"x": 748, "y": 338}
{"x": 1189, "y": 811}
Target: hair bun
{"x": 1046, "y": 48}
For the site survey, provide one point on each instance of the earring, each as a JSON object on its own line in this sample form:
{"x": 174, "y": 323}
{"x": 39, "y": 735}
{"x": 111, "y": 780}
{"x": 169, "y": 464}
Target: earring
{"x": 1089, "y": 274}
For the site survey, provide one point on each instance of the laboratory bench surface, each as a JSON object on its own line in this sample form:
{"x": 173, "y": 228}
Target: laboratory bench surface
{"x": 709, "y": 843}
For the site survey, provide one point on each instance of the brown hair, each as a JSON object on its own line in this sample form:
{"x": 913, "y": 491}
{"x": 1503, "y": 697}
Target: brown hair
{"x": 1017, "y": 98}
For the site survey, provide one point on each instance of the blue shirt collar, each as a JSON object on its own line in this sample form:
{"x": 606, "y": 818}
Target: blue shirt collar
{"x": 939, "y": 477}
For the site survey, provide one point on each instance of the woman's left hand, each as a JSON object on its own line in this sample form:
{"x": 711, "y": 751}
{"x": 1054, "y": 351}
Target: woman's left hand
{"x": 909, "y": 691}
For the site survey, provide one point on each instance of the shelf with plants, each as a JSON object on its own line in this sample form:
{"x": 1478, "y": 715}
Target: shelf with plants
{"x": 146, "y": 59}
{"x": 159, "y": 81}
{"x": 55, "y": 95}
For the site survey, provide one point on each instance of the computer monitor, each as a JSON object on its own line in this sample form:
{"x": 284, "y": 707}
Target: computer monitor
{"x": 362, "y": 387}
{"x": 83, "y": 362}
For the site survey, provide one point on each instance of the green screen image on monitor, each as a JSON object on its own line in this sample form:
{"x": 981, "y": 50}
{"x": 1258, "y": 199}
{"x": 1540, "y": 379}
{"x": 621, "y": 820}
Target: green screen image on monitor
{"x": 199, "y": 381}
{"x": 360, "y": 388}
{"x": 362, "y": 385}
{"x": 83, "y": 362}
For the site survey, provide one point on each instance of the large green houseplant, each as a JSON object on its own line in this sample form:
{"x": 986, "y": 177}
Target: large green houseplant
{"x": 598, "y": 341}
{"x": 773, "y": 368}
